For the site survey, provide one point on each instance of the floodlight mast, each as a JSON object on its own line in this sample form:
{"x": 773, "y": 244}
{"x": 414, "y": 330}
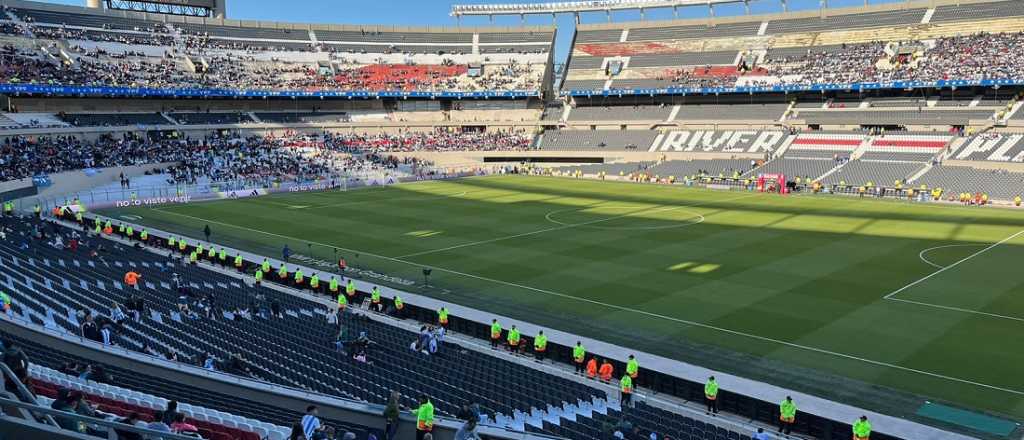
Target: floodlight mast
{"x": 576, "y": 7}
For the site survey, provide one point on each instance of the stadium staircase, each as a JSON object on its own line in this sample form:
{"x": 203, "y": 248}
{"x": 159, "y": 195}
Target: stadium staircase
{"x": 295, "y": 350}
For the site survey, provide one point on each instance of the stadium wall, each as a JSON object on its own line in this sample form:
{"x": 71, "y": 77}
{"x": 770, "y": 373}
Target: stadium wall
{"x": 72, "y": 181}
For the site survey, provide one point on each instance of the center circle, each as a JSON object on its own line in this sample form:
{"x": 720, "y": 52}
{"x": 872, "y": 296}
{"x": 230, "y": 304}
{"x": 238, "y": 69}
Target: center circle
{"x": 615, "y": 217}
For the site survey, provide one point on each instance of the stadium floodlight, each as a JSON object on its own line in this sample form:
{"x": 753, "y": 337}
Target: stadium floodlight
{"x": 578, "y": 6}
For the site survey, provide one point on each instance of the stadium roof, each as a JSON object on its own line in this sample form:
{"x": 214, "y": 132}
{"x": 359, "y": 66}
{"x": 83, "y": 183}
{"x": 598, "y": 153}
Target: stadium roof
{"x": 578, "y": 6}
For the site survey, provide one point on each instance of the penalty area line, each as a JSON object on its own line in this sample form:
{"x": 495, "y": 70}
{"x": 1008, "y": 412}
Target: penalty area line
{"x": 957, "y": 263}
{"x": 644, "y": 313}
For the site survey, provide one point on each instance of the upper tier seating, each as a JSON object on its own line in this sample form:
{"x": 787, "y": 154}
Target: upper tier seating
{"x": 114, "y": 119}
{"x": 635, "y": 113}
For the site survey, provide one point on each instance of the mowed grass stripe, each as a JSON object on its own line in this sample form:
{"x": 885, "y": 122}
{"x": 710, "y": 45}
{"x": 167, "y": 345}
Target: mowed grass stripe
{"x": 791, "y": 274}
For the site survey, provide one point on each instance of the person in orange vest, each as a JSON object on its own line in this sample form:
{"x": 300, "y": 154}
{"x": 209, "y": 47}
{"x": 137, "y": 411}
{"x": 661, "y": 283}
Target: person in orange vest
{"x": 132, "y": 279}
{"x": 606, "y": 371}
{"x": 592, "y": 368}
{"x": 342, "y": 265}
{"x": 108, "y": 230}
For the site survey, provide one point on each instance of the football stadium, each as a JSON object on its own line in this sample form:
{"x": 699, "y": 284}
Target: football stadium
{"x": 611, "y": 219}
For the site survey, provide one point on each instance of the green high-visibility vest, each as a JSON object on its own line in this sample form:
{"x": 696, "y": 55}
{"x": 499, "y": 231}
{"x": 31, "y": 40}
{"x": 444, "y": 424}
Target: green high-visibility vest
{"x": 350, "y": 288}
{"x": 425, "y": 417}
{"x": 259, "y": 275}
{"x": 398, "y": 302}
{"x": 342, "y": 301}
{"x": 106, "y": 225}
{"x": 787, "y": 409}
{"x": 513, "y": 336}
{"x": 96, "y": 221}
{"x": 130, "y": 231}
{"x": 495, "y": 329}
{"x": 97, "y": 230}
{"x": 862, "y": 428}
{"x": 540, "y": 342}
{"x": 711, "y": 388}
{"x": 626, "y": 383}
{"x": 299, "y": 276}
{"x": 632, "y": 367}
{"x": 578, "y": 352}
{"x": 6, "y": 299}
{"x": 314, "y": 282}
{"x": 171, "y": 241}
{"x": 37, "y": 209}
{"x": 442, "y": 315}
{"x": 78, "y": 216}
{"x": 222, "y": 255}
{"x": 238, "y": 261}
{"x": 375, "y": 295}
{"x": 144, "y": 235}
{"x": 199, "y": 248}
{"x": 282, "y": 271}
{"x": 211, "y": 253}
{"x": 334, "y": 285}
{"x": 266, "y": 265}
{"x": 193, "y": 257}
{"x": 182, "y": 245}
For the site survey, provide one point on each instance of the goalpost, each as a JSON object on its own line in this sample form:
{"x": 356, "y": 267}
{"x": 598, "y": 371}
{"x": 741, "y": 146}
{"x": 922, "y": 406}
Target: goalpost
{"x": 772, "y": 182}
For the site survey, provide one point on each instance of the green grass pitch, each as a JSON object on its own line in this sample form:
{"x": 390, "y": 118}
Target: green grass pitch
{"x": 877, "y": 303}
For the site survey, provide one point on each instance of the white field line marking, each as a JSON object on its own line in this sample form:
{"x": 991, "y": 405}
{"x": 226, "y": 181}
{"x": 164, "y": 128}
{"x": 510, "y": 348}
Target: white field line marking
{"x": 655, "y": 208}
{"x": 930, "y": 263}
{"x": 927, "y": 277}
{"x": 639, "y": 312}
{"x": 958, "y": 309}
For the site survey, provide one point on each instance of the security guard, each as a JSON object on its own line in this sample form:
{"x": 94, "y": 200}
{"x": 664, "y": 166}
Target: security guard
{"x": 300, "y": 278}
{"x": 578, "y": 354}
{"x": 314, "y": 283}
{"x": 711, "y": 395}
{"x": 375, "y": 300}
{"x": 238, "y": 261}
{"x": 350, "y": 288}
{"x": 424, "y": 418}
{"x": 442, "y": 317}
{"x": 333, "y": 286}
{"x": 787, "y": 415}
{"x": 540, "y": 345}
{"x": 144, "y": 236}
{"x": 265, "y": 265}
{"x": 495, "y": 333}
{"x": 399, "y": 305}
{"x": 222, "y": 257}
{"x": 632, "y": 367}
{"x": 513, "y": 339}
{"x": 259, "y": 276}
{"x": 282, "y": 272}
{"x": 626, "y": 386}
{"x": 862, "y": 428}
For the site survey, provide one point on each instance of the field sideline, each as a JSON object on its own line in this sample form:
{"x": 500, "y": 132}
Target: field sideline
{"x": 822, "y": 294}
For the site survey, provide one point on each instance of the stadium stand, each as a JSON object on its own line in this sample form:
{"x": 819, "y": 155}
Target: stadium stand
{"x": 117, "y": 51}
{"x": 613, "y": 140}
{"x": 996, "y": 147}
{"x": 639, "y": 113}
{"x": 997, "y": 184}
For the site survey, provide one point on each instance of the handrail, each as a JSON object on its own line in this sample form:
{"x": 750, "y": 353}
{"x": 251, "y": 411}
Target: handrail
{"x": 23, "y": 390}
{"x": 50, "y": 412}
